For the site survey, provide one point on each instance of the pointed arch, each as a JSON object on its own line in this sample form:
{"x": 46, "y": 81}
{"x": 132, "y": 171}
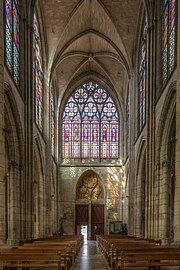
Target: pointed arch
{"x": 14, "y": 165}
{"x": 90, "y": 124}
{"x": 165, "y": 185}
{"x": 140, "y": 189}
{"x": 89, "y": 186}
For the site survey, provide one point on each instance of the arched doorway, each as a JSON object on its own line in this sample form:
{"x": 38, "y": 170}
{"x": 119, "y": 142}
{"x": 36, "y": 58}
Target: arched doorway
{"x": 89, "y": 205}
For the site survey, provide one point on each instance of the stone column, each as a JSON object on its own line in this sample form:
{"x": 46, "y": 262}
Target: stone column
{"x": 28, "y": 217}
{"x": 2, "y": 140}
{"x": 132, "y": 93}
{"x": 13, "y": 205}
{"x": 89, "y": 225}
{"x": 163, "y": 201}
{"x": 150, "y": 121}
{"x": 177, "y": 154}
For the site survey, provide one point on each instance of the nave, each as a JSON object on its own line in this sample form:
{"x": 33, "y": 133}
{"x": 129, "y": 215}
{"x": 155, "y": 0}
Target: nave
{"x": 90, "y": 258}
{"x": 89, "y": 119}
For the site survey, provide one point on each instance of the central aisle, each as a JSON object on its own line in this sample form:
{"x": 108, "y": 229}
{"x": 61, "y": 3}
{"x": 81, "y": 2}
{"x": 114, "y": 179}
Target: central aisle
{"x": 89, "y": 258}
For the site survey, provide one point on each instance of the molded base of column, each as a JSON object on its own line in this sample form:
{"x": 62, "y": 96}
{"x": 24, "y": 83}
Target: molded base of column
{"x": 12, "y": 242}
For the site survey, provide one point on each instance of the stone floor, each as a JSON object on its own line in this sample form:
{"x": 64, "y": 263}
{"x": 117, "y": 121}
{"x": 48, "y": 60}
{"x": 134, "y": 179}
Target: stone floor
{"x": 90, "y": 259}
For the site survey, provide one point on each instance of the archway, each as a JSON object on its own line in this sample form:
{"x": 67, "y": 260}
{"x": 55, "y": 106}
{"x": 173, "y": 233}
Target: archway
{"x": 90, "y": 205}
{"x": 13, "y": 192}
{"x": 165, "y": 186}
{"x": 140, "y": 191}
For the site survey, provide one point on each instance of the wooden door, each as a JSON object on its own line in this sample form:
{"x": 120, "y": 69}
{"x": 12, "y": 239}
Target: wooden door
{"x": 97, "y": 220}
{"x": 82, "y": 216}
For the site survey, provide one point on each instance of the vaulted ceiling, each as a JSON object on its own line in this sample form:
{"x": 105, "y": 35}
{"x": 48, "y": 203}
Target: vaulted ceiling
{"x": 90, "y": 39}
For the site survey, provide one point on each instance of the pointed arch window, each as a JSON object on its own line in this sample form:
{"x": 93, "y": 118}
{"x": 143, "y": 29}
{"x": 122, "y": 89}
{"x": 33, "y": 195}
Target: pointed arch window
{"x": 169, "y": 19}
{"x": 90, "y": 124}
{"x": 142, "y": 84}
{"x": 52, "y": 121}
{"x": 11, "y": 10}
{"x": 38, "y": 76}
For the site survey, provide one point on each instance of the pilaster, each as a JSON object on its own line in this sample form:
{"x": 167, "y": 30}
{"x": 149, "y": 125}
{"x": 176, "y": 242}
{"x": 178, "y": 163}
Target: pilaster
{"x": 2, "y": 140}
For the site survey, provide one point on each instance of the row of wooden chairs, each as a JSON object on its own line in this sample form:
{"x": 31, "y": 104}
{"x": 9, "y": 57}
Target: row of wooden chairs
{"x": 123, "y": 252}
{"x": 57, "y": 252}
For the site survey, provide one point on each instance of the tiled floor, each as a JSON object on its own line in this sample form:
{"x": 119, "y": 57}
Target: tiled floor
{"x": 89, "y": 258}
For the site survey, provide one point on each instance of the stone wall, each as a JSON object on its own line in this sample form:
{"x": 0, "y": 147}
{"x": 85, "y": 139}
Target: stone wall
{"x": 111, "y": 178}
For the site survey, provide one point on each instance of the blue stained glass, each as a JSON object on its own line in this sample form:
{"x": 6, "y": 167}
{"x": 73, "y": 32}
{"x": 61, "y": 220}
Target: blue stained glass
{"x": 9, "y": 49}
{"x": 16, "y": 64}
{"x": 100, "y": 95}
{"x": 95, "y": 139}
{"x": 12, "y": 38}
{"x": 86, "y": 141}
{"x": 90, "y": 109}
{"x": 142, "y": 80}
{"x": 81, "y": 95}
{"x": 15, "y": 25}
{"x": 8, "y": 12}
{"x": 168, "y": 38}
{"x": 38, "y": 77}
{"x": 114, "y": 140}
{"x": 76, "y": 140}
{"x": 88, "y": 112}
{"x": 172, "y": 50}
{"x": 172, "y": 14}
{"x": 66, "y": 145}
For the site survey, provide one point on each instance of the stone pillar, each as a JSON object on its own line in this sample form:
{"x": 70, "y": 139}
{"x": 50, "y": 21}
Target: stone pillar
{"x": 132, "y": 93}
{"x": 28, "y": 218}
{"x": 2, "y": 140}
{"x": 13, "y": 205}
{"x": 177, "y": 154}
{"x": 163, "y": 202}
{"x": 89, "y": 225}
{"x": 150, "y": 121}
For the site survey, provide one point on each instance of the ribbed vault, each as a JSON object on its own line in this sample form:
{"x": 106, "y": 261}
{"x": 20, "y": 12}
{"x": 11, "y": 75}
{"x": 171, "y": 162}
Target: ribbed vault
{"x": 90, "y": 37}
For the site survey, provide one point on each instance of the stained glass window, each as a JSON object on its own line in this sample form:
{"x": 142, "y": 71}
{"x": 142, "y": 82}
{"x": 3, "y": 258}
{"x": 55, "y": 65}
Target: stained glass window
{"x": 90, "y": 124}
{"x": 168, "y": 38}
{"x": 89, "y": 187}
{"x": 52, "y": 121}
{"x": 38, "y": 76}
{"x": 12, "y": 38}
{"x": 142, "y": 79}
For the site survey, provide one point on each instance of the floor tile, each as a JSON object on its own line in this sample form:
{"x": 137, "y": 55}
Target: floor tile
{"x": 89, "y": 258}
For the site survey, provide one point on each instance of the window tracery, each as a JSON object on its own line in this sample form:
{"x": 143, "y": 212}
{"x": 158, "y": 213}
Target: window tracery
{"x": 12, "y": 37}
{"x": 168, "y": 38}
{"x": 38, "y": 75}
{"x": 90, "y": 124}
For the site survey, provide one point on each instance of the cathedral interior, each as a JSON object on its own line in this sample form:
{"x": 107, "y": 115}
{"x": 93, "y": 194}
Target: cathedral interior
{"x": 89, "y": 118}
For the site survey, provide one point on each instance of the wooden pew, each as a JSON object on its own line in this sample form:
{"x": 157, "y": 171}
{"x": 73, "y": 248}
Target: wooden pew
{"x": 64, "y": 247}
{"x": 110, "y": 246}
{"x": 150, "y": 259}
{"x": 45, "y": 260}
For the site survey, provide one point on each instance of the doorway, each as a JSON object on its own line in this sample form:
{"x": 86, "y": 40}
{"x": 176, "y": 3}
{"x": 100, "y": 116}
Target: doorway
{"x": 84, "y": 230}
{"x": 90, "y": 220}
{"x": 89, "y": 205}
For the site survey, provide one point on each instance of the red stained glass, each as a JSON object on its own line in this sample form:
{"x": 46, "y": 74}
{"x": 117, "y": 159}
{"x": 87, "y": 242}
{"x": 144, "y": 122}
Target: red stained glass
{"x": 38, "y": 76}
{"x": 86, "y": 110}
{"x": 12, "y": 38}
{"x": 168, "y": 38}
{"x": 142, "y": 79}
